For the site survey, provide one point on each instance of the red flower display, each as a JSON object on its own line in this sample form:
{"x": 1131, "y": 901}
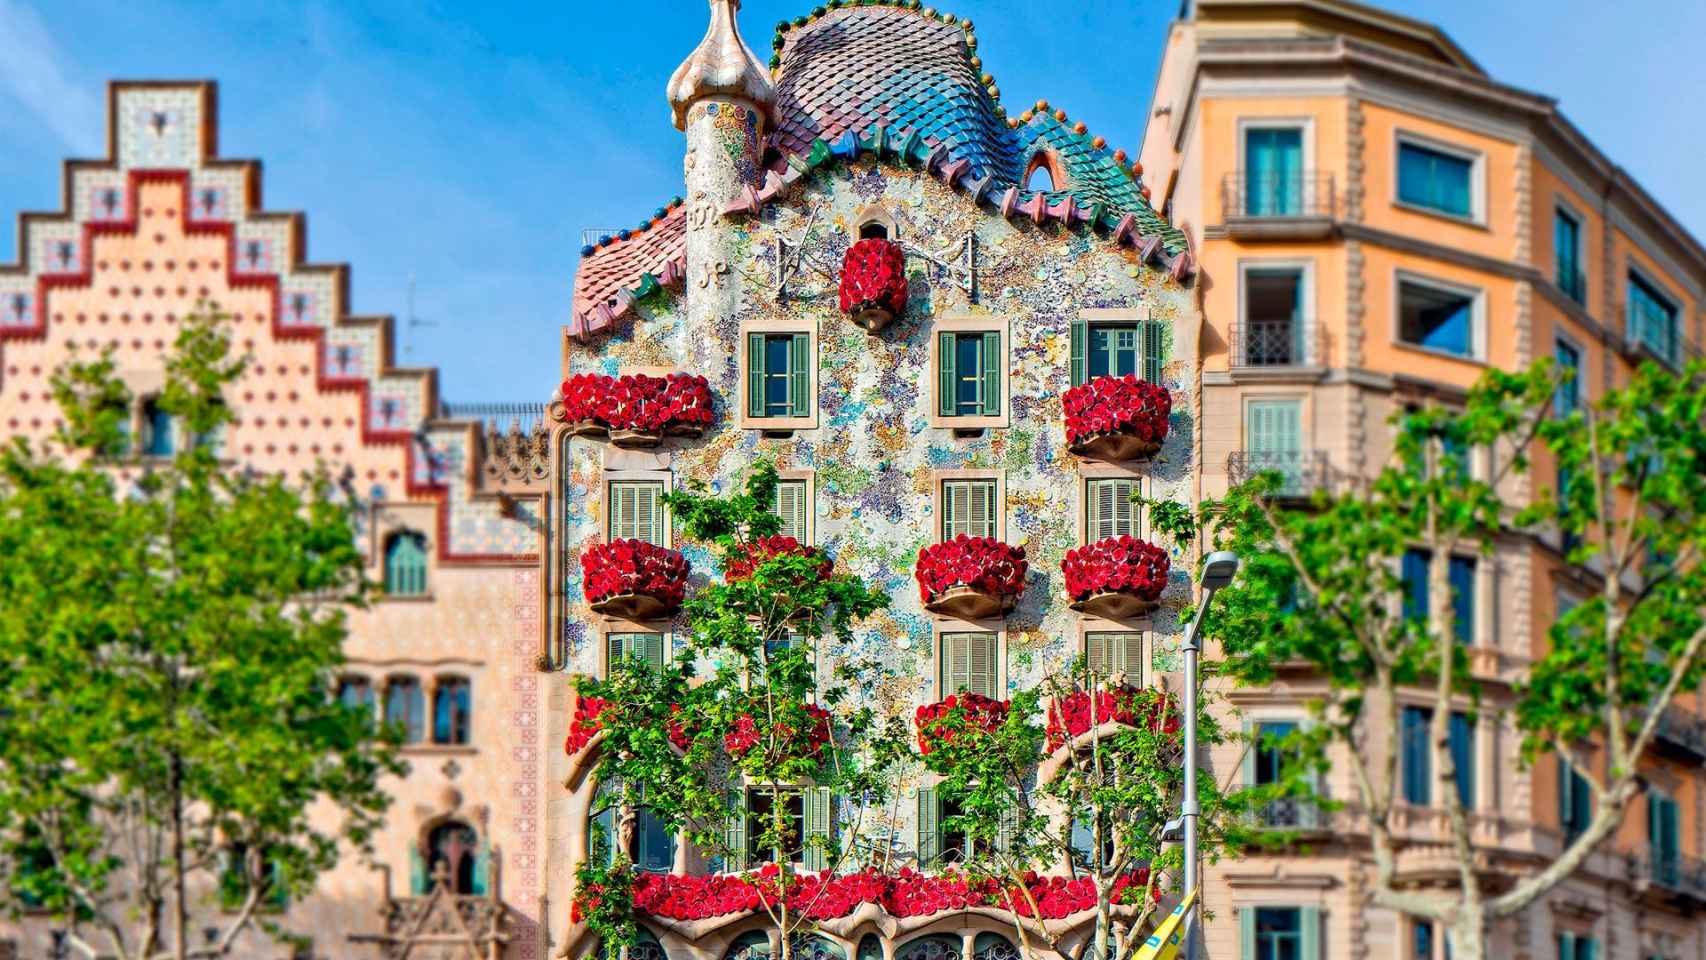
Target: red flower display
{"x": 1073, "y": 716}
{"x": 981, "y": 712}
{"x": 680, "y": 402}
{"x": 873, "y": 279}
{"x": 1125, "y": 406}
{"x": 984, "y": 563}
{"x": 623, "y": 567}
{"x": 746, "y": 735}
{"x": 1121, "y": 564}
{"x": 753, "y": 553}
{"x": 585, "y": 724}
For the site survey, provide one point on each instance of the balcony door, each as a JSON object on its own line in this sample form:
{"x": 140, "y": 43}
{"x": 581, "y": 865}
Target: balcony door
{"x": 1273, "y": 434}
{"x": 1273, "y": 171}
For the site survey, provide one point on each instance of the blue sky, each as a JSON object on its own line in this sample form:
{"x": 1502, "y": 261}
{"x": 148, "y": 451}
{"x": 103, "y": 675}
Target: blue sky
{"x": 468, "y": 143}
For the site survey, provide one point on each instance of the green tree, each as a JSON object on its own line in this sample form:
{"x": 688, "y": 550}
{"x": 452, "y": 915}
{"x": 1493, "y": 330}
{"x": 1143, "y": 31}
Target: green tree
{"x": 167, "y": 716}
{"x": 1323, "y": 585}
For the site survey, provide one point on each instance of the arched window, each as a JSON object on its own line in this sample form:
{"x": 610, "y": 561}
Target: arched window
{"x": 1039, "y": 174}
{"x": 356, "y": 693}
{"x": 993, "y": 946}
{"x": 752, "y": 945}
{"x": 930, "y": 948}
{"x": 654, "y": 845}
{"x": 873, "y": 230}
{"x": 454, "y": 848}
{"x": 646, "y": 946}
{"x": 812, "y": 947}
{"x": 451, "y": 711}
{"x": 405, "y": 707}
{"x": 157, "y": 438}
{"x": 870, "y": 948}
{"x": 405, "y": 564}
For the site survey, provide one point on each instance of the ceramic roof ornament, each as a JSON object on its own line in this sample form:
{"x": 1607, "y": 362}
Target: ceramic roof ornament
{"x": 721, "y": 66}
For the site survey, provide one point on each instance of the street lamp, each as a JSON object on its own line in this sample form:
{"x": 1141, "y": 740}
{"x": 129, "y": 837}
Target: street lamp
{"x": 1217, "y": 572}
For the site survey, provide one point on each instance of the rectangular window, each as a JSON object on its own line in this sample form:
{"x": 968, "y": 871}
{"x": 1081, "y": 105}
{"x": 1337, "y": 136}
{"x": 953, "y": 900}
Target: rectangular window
{"x": 969, "y": 365}
{"x": 1436, "y": 180}
{"x": 1662, "y": 836}
{"x": 1422, "y": 940}
{"x": 1575, "y": 800}
{"x": 760, "y": 812}
{"x": 1117, "y": 349}
{"x": 1566, "y": 255}
{"x": 1567, "y": 397}
{"x": 1273, "y": 437}
{"x": 968, "y": 662}
{"x": 1460, "y": 573}
{"x": 1273, "y": 172}
{"x": 969, "y": 507}
{"x": 1108, "y": 508}
{"x": 637, "y": 511}
{"x": 778, "y": 375}
{"x": 1437, "y": 318}
{"x": 793, "y": 506}
{"x": 1573, "y": 946}
{"x": 648, "y": 648}
{"x": 1417, "y": 755}
{"x": 1652, "y": 319}
{"x": 1107, "y": 653}
{"x": 1281, "y": 933}
{"x": 1273, "y": 317}
{"x": 1113, "y": 350}
{"x": 1462, "y": 734}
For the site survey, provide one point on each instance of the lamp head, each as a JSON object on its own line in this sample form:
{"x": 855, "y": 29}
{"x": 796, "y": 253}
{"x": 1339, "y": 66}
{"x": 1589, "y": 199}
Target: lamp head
{"x": 1219, "y": 569}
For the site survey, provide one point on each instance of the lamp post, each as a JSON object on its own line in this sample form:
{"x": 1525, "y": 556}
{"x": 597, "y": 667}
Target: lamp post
{"x": 1217, "y": 573}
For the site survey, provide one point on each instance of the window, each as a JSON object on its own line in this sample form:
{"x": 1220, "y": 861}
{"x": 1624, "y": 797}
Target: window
{"x": 1107, "y": 653}
{"x": 648, "y": 648}
{"x": 451, "y": 710}
{"x": 453, "y": 850}
{"x": 1566, "y": 255}
{"x": 1573, "y": 946}
{"x": 1436, "y": 180}
{"x": 1438, "y": 318}
{"x": 1116, "y": 348}
{"x": 1462, "y": 736}
{"x": 1575, "y": 800}
{"x": 969, "y": 366}
{"x": 1652, "y": 319}
{"x": 654, "y": 845}
{"x": 938, "y": 842}
{"x": 969, "y": 507}
{"x": 1417, "y": 755}
{"x": 234, "y": 881}
{"x": 157, "y": 432}
{"x": 778, "y": 375}
{"x": 1083, "y": 842}
{"x": 1567, "y": 397}
{"x": 637, "y": 511}
{"x": 806, "y": 812}
{"x": 1429, "y": 941}
{"x": 405, "y": 707}
{"x": 1039, "y": 178}
{"x": 1280, "y": 933}
{"x": 356, "y": 693}
{"x": 1273, "y": 439}
{"x": 1662, "y": 837}
{"x": 1461, "y": 574}
{"x": 405, "y": 565}
{"x": 968, "y": 662}
{"x": 1108, "y": 508}
{"x": 1273, "y": 172}
{"x": 1266, "y": 763}
{"x": 793, "y": 506}
{"x": 1273, "y": 317}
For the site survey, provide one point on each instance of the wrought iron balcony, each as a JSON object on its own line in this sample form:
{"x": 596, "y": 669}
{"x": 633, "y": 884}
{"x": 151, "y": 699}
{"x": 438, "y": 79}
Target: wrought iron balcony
{"x": 1670, "y": 875}
{"x": 1682, "y": 733}
{"x": 1291, "y": 813}
{"x": 1307, "y": 195}
{"x": 1302, "y": 472}
{"x": 1277, "y": 343}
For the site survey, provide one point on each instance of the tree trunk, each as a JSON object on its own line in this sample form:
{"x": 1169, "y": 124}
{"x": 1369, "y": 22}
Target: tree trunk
{"x": 1469, "y": 932}
{"x": 180, "y": 910}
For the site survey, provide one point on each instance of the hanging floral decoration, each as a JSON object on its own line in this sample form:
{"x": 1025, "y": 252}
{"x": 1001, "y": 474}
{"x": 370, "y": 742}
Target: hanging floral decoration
{"x": 1074, "y": 715}
{"x": 753, "y": 553}
{"x": 676, "y": 403}
{"x": 623, "y": 567}
{"x": 1124, "y": 405}
{"x": 873, "y": 278}
{"x": 816, "y": 735}
{"x": 1122, "y": 564}
{"x": 983, "y": 563}
{"x": 936, "y": 724}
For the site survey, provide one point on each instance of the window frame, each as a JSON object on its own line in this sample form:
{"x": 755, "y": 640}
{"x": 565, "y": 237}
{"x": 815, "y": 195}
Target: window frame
{"x": 941, "y": 629}
{"x": 778, "y": 327}
{"x": 1477, "y": 315}
{"x": 390, "y": 683}
{"x": 1305, "y": 125}
{"x": 939, "y": 502}
{"x": 1089, "y": 626}
{"x": 609, "y": 626}
{"x": 1477, "y": 216}
{"x": 1564, "y": 211}
{"x": 1636, "y": 275}
{"x": 664, "y": 478}
{"x": 933, "y": 381}
{"x": 1079, "y": 326}
{"x": 1087, "y": 479}
{"x": 1562, "y": 341}
{"x": 809, "y": 479}
{"x": 1306, "y": 314}
{"x": 393, "y": 535}
{"x": 439, "y": 686}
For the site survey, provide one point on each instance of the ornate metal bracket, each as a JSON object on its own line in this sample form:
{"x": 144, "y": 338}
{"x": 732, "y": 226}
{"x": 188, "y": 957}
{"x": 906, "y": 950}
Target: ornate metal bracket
{"x": 792, "y": 257}
{"x": 961, "y": 270}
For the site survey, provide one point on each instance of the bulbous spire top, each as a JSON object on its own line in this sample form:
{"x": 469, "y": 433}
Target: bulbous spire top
{"x": 722, "y": 65}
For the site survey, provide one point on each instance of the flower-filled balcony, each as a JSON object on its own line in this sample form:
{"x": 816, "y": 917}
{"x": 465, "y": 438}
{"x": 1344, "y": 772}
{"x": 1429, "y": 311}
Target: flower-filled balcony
{"x": 972, "y": 578}
{"x": 1116, "y": 578}
{"x": 936, "y": 726}
{"x": 873, "y": 283}
{"x": 755, "y": 553}
{"x": 811, "y": 741}
{"x": 634, "y": 579}
{"x": 588, "y": 721}
{"x": 635, "y": 410}
{"x": 1079, "y": 712}
{"x": 1116, "y": 418}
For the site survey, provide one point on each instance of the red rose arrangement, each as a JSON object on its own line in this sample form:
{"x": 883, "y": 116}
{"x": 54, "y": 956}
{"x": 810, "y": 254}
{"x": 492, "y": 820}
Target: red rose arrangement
{"x": 1074, "y": 715}
{"x": 982, "y": 714}
{"x": 637, "y": 401}
{"x": 1117, "y": 405}
{"x": 585, "y": 723}
{"x": 982, "y": 562}
{"x": 633, "y": 566}
{"x": 1122, "y": 564}
{"x": 745, "y": 734}
{"x": 752, "y": 554}
{"x": 873, "y": 276}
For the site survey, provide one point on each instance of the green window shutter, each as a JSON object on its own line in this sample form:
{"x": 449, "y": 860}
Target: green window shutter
{"x": 1587, "y": 948}
{"x": 1110, "y": 511}
{"x": 800, "y": 376}
{"x": 482, "y": 870}
{"x": 1154, "y": 351}
{"x": 956, "y": 662}
{"x": 755, "y": 374}
{"x": 1128, "y": 654}
{"x": 621, "y": 511}
{"x": 1309, "y": 939}
{"x": 1079, "y": 330}
{"x": 791, "y": 507}
{"x": 1310, "y": 815}
{"x": 953, "y": 510}
{"x": 734, "y": 831}
{"x": 981, "y": 676}
{"x": 929, "y": 826}
{"x": 648, "y": 513}
{"x": 1252, "y": 735}
{"x": 980, "y": 518}
{"x": 419, "y": 882}
{"x": 1247, "y": 933}
{"x": 1006, "y": 828}
{"x": 947, "y": 379}
{"x": 619, "y": 648}
{"x": 1098, "y": 657}
{"x": 819, "y": 812}
{"x": 651, "y": 649}
{"x": 1563, "y": 792}
{"x": 992, "y": 364}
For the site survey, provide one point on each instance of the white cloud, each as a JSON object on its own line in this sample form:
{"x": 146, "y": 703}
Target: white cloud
{"x": 34, "y": 72}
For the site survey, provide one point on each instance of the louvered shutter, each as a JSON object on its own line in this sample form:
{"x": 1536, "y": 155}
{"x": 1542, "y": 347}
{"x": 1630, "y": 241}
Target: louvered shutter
{"x": 819, "y": 813}
{"x": 1079, "y": 330}
{"x": 1247, "y": 933}
{"x": 1111, "y": 512}
{"x": 1309, "y": 933}
{"x": 621, "y": 511}
{"x": 1310, "y": 816}
{"x": 1587, "y": 948}
{"x": 992, "y": 363}
{"x": 1154, "y": 351}
{"x": 648, "y": 513}
{"x": 791, "y": 507}
{"x": 954, "y": 510}
{"x": 981, "y": 673}
{"x": 734, "y": 831}
{"x": 1566, "y": 946}
{"x": 618, "y": 649}
{"x": 1127, "y": 652}
{"x": 800, "y": 375}
{"x": 1563, "y": 794}
{"x": 956, "y": 662}
{"x": 650, "y": 649}
{"x": 755, "y": 374}
{"x": 948, "y": 380}
{"x": 1097, "y": 658}
{"x": 1252, "y": 736}
{"x": 980, "y": 518}
{"x": 929, "y": 827}
{"x": 1006, "y": 828}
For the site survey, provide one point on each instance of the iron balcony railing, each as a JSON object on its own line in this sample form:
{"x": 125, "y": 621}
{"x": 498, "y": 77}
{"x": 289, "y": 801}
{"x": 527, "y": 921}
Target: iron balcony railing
{"x": 1682, "y": 731}
{"x": 1277, "y": 343}
{"x": 1672, "y": 872}
{"x": 1249, "y": 196}
{"x": 1302, "y": 472}
{"x": 498, "y": 415}
{"x": 1290, "y": 813}
{"x": 1653, "y": 329}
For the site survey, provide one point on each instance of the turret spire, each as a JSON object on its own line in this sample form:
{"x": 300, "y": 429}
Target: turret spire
{"x": 721, "y": 66}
